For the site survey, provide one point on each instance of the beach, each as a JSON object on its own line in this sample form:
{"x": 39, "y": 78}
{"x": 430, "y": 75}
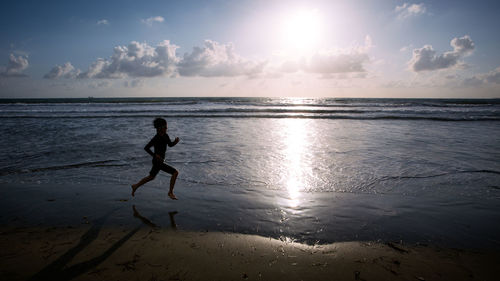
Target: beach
{"x": 269, "y": 189}
{"x": 95, "y": 252}
{"x": 77, "y": 233}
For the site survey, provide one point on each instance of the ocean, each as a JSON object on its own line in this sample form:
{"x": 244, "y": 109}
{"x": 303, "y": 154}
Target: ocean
{"x": 309, "y": 170}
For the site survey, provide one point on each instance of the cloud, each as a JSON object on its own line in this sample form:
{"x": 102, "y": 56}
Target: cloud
{"x": 473, "y": 82}
{"x": 338, "y": 61}
{"x": 462, "y": 46}
{"x": 426, "y": 59}
{"x": 102, "y": 22}
{"x": 142, "y": 60}
{"x": 492, "y": 77}
{"x": 15, "y": 66}
{"x": 215, "y": 59}
{"x": 136, "y": 83}
{"x": 66, "y": 71}
{"x": 409, "y": 10}
{"x": 291, "y": 66}
{"x": 136, "y": 60}
{"x": 326, "y": 63}
{"x": 151, "y": 20}
{"x": 99, "y": 85}
{"x": 406, "y": 48}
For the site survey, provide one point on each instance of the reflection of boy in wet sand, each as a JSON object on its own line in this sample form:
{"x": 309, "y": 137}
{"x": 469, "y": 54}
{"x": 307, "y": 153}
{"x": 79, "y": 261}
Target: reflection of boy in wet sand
{"x": 152, "y": 224}
{"x": 160, "y": 142}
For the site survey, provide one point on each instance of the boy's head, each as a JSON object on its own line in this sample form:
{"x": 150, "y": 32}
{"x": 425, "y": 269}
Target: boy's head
{"x": 159, "y": 124}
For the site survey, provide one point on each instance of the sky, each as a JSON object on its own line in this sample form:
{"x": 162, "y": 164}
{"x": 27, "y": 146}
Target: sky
{"x": 377, "y": 48}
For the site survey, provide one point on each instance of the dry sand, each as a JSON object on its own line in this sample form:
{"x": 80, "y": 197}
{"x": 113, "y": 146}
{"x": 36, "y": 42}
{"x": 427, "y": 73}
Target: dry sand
{"x": 96, "y": 252}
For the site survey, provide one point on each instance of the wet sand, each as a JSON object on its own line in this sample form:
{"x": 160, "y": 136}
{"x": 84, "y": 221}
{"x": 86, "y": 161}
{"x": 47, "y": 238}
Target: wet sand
{"x": 100, "y": 233}
{"x": 99, "y": 252}
{"x": 314, "y": 218}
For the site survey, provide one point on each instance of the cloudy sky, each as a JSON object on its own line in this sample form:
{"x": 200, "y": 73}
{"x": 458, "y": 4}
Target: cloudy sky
{"x": 377, "y": 48}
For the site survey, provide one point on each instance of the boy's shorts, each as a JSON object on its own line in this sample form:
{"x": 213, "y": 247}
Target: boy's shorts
{"x": 157, "y": 166}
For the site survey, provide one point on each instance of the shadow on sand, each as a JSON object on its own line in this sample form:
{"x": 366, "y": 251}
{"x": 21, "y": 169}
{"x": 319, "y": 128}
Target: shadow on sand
{"x": 57, "y": 270}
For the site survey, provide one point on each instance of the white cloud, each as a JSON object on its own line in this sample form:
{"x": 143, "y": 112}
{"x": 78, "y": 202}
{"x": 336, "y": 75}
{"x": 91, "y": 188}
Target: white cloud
{"x": 99, "y": 85}
{"x": 136, "y": 60}
{"x": 103, "y": 22}
{"x": 214, "y": 59}
{"x": 426, "y": 58}
{"x": 492, "y": 77}
{"x": 406, "y": 48}
{"x": 463, "y": 46}
{"x": 337, "y": 61}
{"x": 142, "y": 60}
{"x": 151, "y": 20}
{"x": 291, "y": 66}
{"x": 409, "y": 10}
{"x": 66, "y": 71}
{"x": 136, "y": 83}
{"x": 472, "y": 82}
{"x": 15, "y": 66}
{"x": 395, "y": 84}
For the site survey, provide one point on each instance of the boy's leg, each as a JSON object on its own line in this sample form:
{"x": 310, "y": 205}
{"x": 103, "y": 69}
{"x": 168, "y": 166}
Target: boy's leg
{"x": 172, "y": 184}
{"x": 141, "y": 182}
{"x": 152, "y": 174}
{"x": 172, "y": 171}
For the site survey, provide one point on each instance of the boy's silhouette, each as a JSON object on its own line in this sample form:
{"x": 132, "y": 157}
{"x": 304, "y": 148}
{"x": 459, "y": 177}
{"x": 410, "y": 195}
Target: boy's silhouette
{"x": 160, "y": 142}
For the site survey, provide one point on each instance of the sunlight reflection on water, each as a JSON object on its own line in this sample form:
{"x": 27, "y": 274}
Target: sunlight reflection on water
{"x": 295, "y": 166}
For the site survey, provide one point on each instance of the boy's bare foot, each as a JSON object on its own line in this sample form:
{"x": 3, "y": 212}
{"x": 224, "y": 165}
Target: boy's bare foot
{"x": 172, "y": 196}
{"x": 134, "y": 188}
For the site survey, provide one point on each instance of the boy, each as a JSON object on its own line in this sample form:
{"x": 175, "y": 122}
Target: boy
{"x": 160, "y": 142}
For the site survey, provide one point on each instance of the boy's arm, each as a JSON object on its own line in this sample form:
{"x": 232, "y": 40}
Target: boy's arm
{"x": 172, "y": 143}
{"x": 148, "y": 147}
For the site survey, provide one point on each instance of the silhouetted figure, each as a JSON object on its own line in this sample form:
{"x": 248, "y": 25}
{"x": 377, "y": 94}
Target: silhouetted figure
{"x": 160, "y": 142}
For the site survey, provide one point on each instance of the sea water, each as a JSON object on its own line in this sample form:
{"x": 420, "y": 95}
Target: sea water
{"x": 306, "y": 169}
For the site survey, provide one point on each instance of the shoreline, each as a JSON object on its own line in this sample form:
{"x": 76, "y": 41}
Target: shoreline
{"x": 98, "y": 252}
{"x": 319, "y": 218}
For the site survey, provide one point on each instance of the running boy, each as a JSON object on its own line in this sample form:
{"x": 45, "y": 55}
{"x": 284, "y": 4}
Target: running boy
{"x": 160, "y": 142}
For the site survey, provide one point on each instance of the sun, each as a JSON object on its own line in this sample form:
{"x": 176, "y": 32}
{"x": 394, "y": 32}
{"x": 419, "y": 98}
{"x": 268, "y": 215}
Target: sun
{"x": 302, "y": 30}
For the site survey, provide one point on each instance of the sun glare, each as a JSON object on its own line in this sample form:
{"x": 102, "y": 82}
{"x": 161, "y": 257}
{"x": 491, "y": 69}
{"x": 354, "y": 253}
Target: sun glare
{"x": 302, "y": 30}
{"x": 295, "y": 164}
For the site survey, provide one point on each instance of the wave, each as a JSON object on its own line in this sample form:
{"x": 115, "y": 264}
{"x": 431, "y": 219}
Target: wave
{"x": 200, "y": 111}
{"x": 326, "y": 110}
{"x": 361, "y": 109}
{"x": 389, "y": 178}
{"x": 271, "y": 116}
{"x": 254, "y": 101}
{"x": 104, "y": 163}
{"x": 90, "y": 100}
